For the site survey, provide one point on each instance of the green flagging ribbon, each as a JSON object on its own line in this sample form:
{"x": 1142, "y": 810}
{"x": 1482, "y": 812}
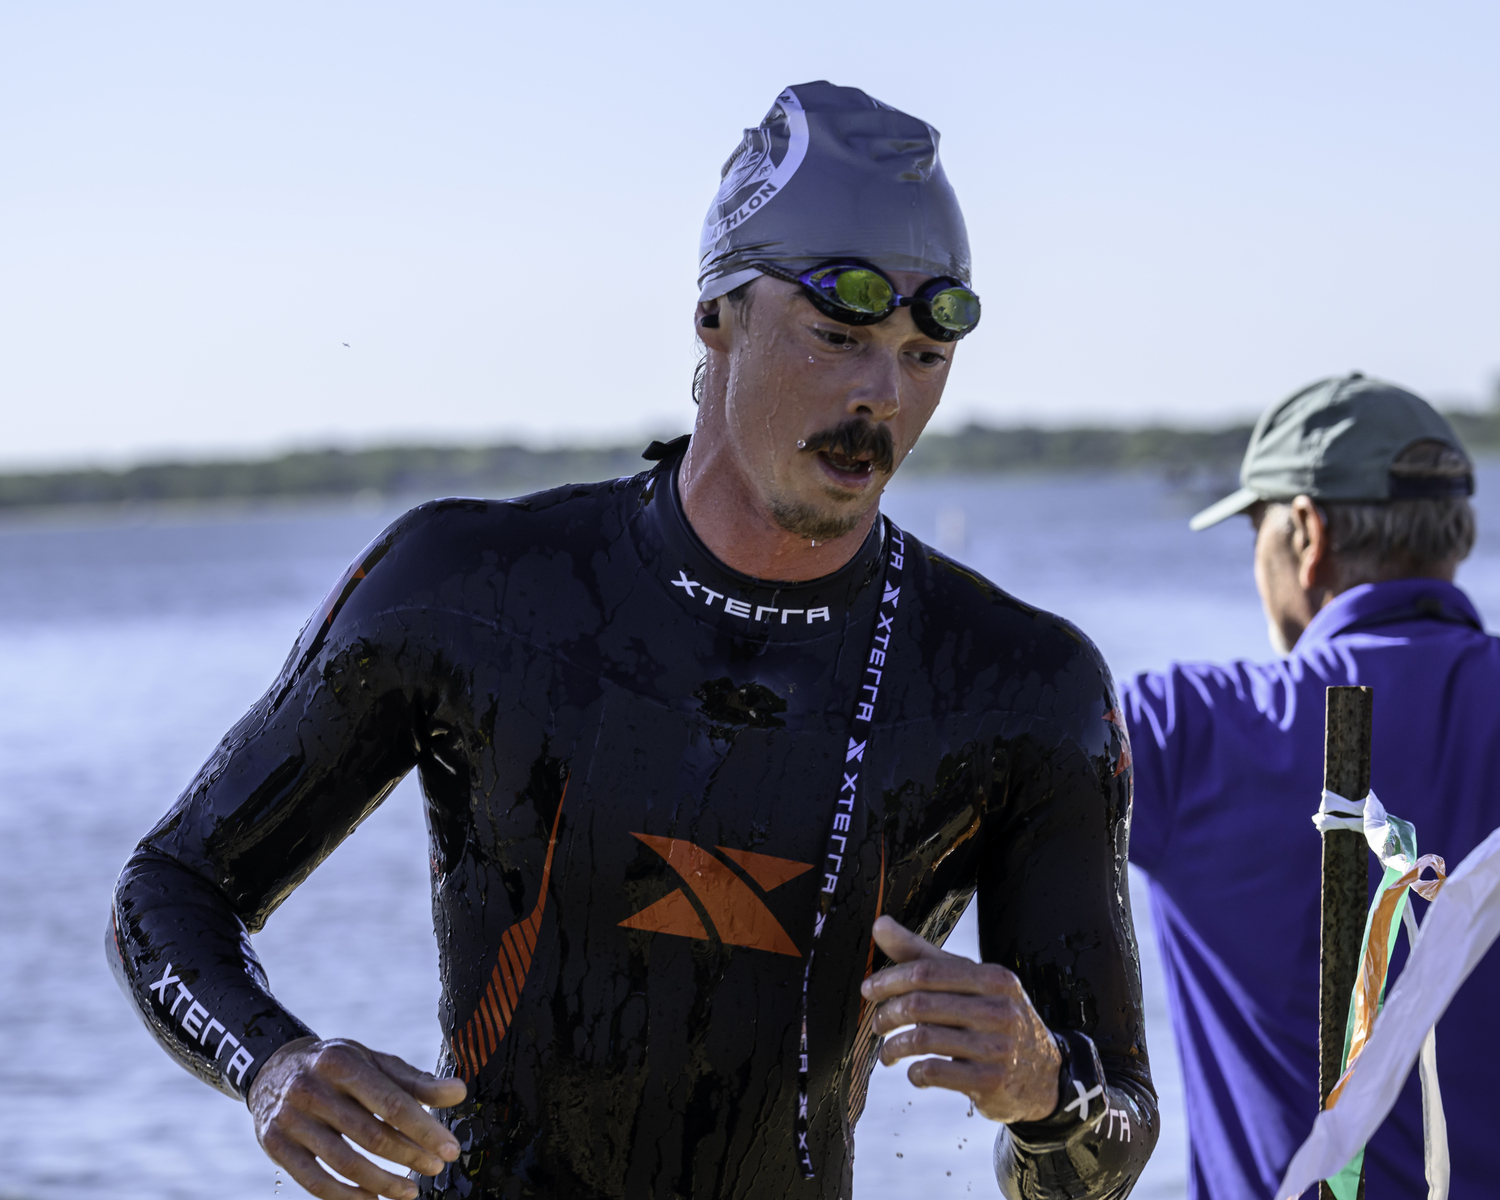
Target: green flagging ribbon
{"x": 1394, "y": 842}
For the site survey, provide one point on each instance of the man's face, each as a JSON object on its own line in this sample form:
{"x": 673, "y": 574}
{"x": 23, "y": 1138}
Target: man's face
{"x": 856, "y": 397}
{"x": 1287, "y": 606}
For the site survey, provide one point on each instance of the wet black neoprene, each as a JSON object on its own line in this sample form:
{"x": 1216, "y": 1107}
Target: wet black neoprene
{"x": 631, "y": 757}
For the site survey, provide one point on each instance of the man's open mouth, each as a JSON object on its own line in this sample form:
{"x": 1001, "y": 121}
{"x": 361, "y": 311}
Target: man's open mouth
{"x": 854, "y": 466}
{"x": 855, "y": 450}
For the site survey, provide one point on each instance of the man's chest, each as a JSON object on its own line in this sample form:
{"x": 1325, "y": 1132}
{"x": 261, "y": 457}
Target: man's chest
{"x": 652, "y": 866}
{"x": 706, "y": 814}
{"x": 702, "y": 820}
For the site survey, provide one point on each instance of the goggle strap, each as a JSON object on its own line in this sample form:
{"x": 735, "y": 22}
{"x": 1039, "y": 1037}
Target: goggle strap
{"x": 776, "y": 272}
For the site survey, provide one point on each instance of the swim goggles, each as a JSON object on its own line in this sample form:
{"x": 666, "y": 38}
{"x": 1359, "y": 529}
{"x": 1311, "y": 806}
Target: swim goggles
{"x": 856, "y": 293}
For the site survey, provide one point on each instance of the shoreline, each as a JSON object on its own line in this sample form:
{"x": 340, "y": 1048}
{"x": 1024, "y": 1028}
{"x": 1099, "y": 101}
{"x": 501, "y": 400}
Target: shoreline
{"x": 1188, "y": 458}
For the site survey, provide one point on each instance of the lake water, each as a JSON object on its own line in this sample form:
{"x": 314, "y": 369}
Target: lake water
{"x": 129, "y": 642}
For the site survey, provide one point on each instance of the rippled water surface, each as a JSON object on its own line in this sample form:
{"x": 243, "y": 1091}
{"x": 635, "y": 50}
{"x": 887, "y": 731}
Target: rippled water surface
{"x": 129, "y": 643}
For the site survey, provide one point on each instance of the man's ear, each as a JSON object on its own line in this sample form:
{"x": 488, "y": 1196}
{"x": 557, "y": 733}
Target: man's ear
{"x": 1314, "y": 553}
{"x": 709, "y": 327}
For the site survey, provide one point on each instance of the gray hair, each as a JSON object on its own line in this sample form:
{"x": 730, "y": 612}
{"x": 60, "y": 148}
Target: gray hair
{"x": 1417, "y": 534}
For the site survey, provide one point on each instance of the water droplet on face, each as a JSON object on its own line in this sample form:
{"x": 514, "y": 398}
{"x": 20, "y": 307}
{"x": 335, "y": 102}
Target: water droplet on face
{"x": 811, "y": 359}
{"x": 801, "y": 444}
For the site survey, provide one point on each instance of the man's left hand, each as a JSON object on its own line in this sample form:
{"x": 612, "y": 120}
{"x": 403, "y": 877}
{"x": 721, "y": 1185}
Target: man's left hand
{"x": 999, "y": 1053}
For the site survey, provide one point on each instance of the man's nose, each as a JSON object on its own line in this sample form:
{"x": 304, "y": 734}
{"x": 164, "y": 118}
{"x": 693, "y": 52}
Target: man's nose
{"x": 877, "y": 394}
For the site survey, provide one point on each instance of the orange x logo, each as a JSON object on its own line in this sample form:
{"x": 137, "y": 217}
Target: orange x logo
{"x": 738, "y": 915}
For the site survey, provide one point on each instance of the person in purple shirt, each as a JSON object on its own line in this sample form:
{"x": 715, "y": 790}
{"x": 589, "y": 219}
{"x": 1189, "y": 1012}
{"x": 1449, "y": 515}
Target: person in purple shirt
{"x": 1358, "y": 492}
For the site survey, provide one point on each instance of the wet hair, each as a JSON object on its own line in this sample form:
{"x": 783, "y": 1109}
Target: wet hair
{"x": 1413, "y": 535}
{"x": 740, "y": 298}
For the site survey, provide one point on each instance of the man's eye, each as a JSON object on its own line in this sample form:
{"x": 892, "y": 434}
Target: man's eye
{"x": 930, "y": 358}
{"x": 834, "y": 337}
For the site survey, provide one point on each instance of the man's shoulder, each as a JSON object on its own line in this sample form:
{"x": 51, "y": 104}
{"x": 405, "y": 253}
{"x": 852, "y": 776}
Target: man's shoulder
{"x": 458, "y": 553}
{"x": 1234, "y": 690}
{"x": 462, "y": 528}
{"x": 966, "y": 605}
{"x": 999, "y": 651}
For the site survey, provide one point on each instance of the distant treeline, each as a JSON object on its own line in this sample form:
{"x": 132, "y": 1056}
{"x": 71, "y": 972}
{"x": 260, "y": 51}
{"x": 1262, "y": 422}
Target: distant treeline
{"x": 510, "y": 470}
{"x": 390, "y": 471}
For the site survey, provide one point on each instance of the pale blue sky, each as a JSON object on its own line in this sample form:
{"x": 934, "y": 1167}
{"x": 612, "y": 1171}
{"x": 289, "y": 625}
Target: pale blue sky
{"x": 1177, "y": 210}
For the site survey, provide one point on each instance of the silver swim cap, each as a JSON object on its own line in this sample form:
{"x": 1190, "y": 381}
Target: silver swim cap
{"x": 832, "y": 173}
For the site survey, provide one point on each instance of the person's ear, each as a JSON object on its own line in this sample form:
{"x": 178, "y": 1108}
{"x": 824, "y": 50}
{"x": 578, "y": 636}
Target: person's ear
{"x": 709, "y": 327}
{"x": 1310, "y": 541}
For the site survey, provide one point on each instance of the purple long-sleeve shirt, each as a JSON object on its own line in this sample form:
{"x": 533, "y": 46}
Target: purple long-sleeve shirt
{"x": 1228, "y": 772}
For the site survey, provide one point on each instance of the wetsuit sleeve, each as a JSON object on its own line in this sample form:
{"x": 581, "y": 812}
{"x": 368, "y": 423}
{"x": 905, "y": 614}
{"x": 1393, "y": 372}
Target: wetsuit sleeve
{"x": 1054, "y": 907}
{"x": 288, "y": 783}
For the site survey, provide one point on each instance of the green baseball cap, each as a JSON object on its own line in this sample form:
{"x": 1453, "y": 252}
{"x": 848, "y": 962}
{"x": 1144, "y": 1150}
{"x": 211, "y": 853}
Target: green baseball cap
{"x": 1336, "y": 440}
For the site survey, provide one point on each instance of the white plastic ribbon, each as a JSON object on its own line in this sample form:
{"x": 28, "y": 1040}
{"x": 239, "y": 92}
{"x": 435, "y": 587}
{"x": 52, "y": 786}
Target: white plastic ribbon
{"x": 1381, "y": 831}
{"x": 1394, "y": 843}
{"x": 1460, "y": 927}
{"x": 1435, "y": 1159}
{"x": 1338, "y": 812}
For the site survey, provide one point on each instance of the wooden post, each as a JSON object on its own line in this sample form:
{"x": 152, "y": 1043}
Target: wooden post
{"x": 1346, "y": 884}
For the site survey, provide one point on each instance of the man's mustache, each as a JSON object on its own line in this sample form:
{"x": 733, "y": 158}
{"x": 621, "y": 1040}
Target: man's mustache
{"x": 857, "y": 438}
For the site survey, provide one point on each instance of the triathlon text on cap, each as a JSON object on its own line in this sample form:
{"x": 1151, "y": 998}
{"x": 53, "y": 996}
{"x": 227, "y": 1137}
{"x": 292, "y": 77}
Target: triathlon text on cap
{"x": 739, "y": 608}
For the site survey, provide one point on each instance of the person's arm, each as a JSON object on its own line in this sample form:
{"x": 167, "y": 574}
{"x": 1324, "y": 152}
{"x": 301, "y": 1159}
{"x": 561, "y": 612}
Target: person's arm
{"x": 1054, "y": 906}
{"x": 1153, "y": 708}
{"x": 290, "y": 781}
{"x": 1047, "y": 1034}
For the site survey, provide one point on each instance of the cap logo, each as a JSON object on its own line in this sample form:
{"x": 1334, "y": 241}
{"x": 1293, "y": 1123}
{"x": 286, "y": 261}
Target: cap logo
{"x": 765, "y": 163}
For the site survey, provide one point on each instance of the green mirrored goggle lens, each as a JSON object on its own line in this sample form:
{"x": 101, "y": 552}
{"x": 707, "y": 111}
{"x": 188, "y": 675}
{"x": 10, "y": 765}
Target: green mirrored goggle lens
{"x": 863, "y": 291}
{"x": 861, "y": 295}
{"x": 955, "y": 308}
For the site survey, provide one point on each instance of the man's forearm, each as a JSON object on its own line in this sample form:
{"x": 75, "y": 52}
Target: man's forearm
{"x": 183, "y": 958}
{"x": 1094, "y": 1145}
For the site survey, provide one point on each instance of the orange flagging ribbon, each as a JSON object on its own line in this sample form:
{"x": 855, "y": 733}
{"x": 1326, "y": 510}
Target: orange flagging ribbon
{"x": 486, "y": 1029}
{"x": 1376, "y": 962}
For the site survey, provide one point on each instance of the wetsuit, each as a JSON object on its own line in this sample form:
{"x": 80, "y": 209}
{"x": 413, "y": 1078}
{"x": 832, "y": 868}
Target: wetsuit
{"x": 630, "y": 755}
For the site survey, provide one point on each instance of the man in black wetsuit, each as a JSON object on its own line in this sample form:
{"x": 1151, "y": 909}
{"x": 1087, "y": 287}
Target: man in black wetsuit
{"x": 701, "y": 748}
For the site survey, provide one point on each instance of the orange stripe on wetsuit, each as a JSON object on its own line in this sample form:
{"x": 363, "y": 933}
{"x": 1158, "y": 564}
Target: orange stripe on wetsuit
{"x": 481, "y": 1035}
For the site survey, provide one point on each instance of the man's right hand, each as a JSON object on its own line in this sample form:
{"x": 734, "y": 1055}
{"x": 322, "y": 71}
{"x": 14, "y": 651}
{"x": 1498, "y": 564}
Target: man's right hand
{"x": 311, "y": 1094}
